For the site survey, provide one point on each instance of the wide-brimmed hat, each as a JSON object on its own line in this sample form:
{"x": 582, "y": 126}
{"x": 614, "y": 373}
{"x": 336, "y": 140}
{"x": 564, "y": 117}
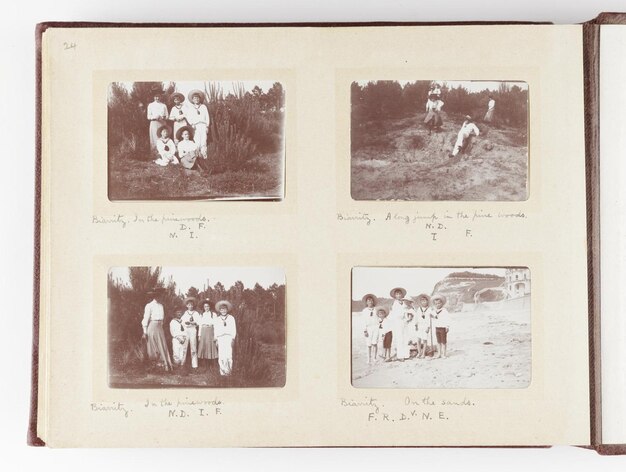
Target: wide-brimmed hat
{"x": 394, "y": 290}
{"x": 178, "y": 95}
{"x": 190, "y": 299}
{"x": 422, "y": 295}
{"x": 370, "y": 295}
{"x": 468, "y": 118}
{"x": 179, "y": 133}
{"x": 161, "y": 128}
{"x": 381, "y": 308}
{"x": 196, "y": 92}
{"x": 439, "y": 297}
{"x": 219, "y": 304}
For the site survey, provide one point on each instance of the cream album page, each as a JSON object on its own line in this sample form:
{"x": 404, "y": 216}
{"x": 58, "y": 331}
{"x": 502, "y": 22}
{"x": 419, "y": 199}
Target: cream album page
{"x": 313, "y": 236}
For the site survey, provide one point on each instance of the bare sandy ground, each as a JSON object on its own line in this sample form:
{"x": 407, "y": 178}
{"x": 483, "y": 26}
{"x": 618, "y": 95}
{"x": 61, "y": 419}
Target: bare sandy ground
{"x": 486, "y": 349}
{"x": 400, "y": 160}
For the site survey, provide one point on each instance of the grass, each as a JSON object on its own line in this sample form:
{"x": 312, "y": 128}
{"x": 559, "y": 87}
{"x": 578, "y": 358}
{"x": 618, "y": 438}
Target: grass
{"x": 132, "y": 179}
{"x": 400, "y": 160}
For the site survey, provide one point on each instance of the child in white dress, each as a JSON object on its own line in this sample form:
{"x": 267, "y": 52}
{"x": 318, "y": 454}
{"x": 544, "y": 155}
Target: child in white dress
{"x": 422, "y": 323}
{"x": 371, "y": 331}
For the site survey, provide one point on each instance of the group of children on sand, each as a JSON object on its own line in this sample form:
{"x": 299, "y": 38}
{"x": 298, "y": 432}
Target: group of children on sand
{"x": 204, "y": 337}
{"x": 404, "y": 328}
{"x": 187, "y": 144}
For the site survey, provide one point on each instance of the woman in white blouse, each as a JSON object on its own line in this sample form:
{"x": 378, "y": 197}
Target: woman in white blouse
{"x": 207, "y": 348}
{"x": 156, "y": 114}
{"x": 177, "y": 113}
{"x": 152, "y": 324}
{"x": 187, "y": 148}
{"x": 225, "y": 334}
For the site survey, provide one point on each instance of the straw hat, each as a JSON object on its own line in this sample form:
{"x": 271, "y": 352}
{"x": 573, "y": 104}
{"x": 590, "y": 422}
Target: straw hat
{"x": 439, "y": 297}
{"x": 198, "y": 92}
{"x": 468, "y": 118}
{"x": 219, "y": 304}
{"x": 394, "y": 290}
{"x": 422, "y": 295}
{"x": 190, "y": 300}
{"x": 381, "y": 308}
{"x": 370, "y": 295}
{"x": 179, "y": 133}
{"x": 180, "y": 96}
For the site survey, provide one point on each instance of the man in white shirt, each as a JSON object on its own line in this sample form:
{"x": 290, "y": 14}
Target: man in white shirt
{"x": 157, "y": 114}
{"x": 465, "y": 137}
{"x": 191, "y": 321}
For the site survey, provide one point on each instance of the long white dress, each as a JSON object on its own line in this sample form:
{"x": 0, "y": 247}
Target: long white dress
{"x": 371, "y": 326}
{"x": 198, "y": 117}
{"x": 396, "y": 314}
{"x": 225, "y": 333}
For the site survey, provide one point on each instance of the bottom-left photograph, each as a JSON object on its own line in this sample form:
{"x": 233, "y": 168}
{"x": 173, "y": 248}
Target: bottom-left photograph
{"x": 196, "y": 326}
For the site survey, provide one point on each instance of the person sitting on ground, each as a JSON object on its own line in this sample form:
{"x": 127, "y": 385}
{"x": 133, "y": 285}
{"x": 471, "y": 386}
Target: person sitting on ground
{"x": 165, "y": 148}
{"x": 465, "y": 137}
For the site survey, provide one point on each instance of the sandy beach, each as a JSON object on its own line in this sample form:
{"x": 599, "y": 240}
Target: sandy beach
{"x": 487, "y": 348}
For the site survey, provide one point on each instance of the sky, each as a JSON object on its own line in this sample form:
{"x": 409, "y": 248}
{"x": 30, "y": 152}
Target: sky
{"x": 469, "y": 85}
{"x": 186, "y": 277}
{"x": 185, "y": 87}
{"x": 381, "y": 280}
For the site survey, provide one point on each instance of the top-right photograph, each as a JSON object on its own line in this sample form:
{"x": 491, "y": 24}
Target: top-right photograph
{"x": 439, "y": 140}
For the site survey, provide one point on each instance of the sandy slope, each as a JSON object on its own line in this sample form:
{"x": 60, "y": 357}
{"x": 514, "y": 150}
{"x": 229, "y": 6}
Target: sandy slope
{"x": 486, "y": 349}
{"x": 400, "y": 160}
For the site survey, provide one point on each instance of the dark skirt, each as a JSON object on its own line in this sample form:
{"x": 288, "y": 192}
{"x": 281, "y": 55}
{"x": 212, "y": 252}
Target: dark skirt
{"x": 207, "y": 349}
{"x": 442, "y": 335}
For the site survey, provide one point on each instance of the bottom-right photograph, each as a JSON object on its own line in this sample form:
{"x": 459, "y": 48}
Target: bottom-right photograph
{"x": 441, "y": 327}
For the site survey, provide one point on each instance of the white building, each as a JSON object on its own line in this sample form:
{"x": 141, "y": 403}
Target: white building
{"x": 517, "y": 282}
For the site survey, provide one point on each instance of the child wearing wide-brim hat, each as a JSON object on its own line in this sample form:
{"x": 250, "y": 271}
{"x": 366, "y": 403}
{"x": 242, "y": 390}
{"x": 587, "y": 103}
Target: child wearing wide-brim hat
{"x": 441, "y": 323}
{"x": 177, "y": 113}
{"x": 165, "y": 147}
{"x": 197, "y": 115}
{"x": 187, "y": 148}
{"x": 191, "y": 320}
{"x": 225, "y": 334}
{"x": 422, "y": 323}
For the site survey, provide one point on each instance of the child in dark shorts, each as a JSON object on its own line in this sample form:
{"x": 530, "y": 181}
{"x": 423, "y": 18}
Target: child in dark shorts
{"x": 441, "y": 322}
{"x": 385, "y": 332}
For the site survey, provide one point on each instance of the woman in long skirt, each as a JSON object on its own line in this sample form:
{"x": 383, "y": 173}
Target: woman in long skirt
{"x": 156, "y": 114}
{"x": 152, "y": 325}
{"x": 207, "y": 348}
{"x": 225, "y": 334}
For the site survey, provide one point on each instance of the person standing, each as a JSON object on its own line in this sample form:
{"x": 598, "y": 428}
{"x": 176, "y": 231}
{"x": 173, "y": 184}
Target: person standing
{"x": 180, "y": 341}
{"x": 225, "y": 334}
{"x": 197, "y": 115}
{"x": 156, "y": 114}
{"x": 177, "y": 113}
{"x": 422, "y": 323}
{"x": 395, "y": 323}
{"x": 207, "y": 349}
{"x": 191, "y": 320}
{"x": 491, "y": 107}
{"x": 433, "y": 113}
{"x": 152, "y": 324}
{"x": 371, "y": 330}
{"x": 441, "y": 322}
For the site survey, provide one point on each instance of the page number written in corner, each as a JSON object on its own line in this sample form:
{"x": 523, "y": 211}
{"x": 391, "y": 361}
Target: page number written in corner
{"x": 68, "y": 45}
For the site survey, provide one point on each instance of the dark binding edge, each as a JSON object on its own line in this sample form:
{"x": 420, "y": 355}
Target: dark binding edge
{"x": 32, "y": 438}
{"x": 591, "y": 50}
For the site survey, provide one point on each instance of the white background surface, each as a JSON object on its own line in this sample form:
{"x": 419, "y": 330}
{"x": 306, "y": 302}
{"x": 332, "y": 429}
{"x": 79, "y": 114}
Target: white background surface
{"x": 16, "y": 234}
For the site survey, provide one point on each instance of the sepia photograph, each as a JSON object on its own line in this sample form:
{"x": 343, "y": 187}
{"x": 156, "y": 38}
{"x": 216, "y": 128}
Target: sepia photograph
{"x": 435, "y": 327}
{"x": 215, "y": 140}
{"x": 196, "y": 327}
{"x": 449, "y": 140}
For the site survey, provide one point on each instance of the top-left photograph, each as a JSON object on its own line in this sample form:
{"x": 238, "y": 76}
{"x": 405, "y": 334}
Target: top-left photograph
{"x": 212, "y": 140}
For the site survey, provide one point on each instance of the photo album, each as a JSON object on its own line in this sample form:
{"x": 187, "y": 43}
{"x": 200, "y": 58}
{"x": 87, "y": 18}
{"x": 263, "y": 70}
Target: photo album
{"x": 330, "y": 235}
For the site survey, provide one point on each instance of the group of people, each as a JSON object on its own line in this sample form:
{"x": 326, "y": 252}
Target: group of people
{"x": 405, "y": 328}
{"x": 187, "y": 142}
{"x": 204, "y": 336}
{"x": 433, "y": 120}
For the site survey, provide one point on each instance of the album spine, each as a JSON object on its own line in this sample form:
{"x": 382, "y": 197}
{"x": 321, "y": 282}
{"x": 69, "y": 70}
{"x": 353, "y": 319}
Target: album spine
{"x": 32, "y": 438}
